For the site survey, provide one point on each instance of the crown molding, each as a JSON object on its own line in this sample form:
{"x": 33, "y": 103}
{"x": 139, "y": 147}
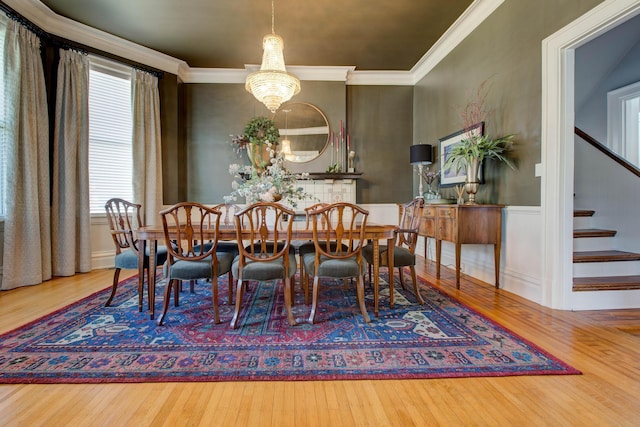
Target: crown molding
{"x": 466, "y": 23}
{"x": 380, "y": 78}
{"x": 58, "y": 25}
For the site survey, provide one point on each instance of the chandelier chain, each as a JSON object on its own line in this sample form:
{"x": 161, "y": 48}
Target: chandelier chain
{"x": 273, "y": 18}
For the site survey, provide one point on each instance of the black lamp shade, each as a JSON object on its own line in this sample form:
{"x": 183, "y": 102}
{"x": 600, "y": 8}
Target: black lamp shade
{"x": 421, "y": 154}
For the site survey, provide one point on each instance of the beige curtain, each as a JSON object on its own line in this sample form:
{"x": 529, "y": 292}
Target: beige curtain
{"x": 70, "y": 217}
{"x": 27, "y": 233}
{"x": 147, "y": 155}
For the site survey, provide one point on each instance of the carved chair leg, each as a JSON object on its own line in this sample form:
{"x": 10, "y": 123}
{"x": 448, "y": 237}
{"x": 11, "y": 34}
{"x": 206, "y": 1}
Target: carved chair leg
{"x": 360, "y": 293}
{"x": 167, "y": 296}
{"x": 176, "y": 294}
{"x": 236, "y": 313}
{"x": 214, "y": 293}
{"x": 230, "y": 280}
{"x": 314, "y": 296}
{"x": 114, "y": 287}
{"x": 415, "y": 285}
{"x": 288, "y": 296}
{"x": 401, "y": 274}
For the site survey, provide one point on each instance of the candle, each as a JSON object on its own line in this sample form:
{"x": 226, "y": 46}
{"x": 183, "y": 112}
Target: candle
{"x": 348, "y": 143}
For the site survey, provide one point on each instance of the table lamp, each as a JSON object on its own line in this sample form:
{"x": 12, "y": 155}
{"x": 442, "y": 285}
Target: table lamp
{"x": 420, "y": 154}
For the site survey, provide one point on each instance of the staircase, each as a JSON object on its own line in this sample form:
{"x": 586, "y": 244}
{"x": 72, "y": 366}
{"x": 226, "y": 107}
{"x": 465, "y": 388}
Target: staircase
{"x": 597, "y": 267}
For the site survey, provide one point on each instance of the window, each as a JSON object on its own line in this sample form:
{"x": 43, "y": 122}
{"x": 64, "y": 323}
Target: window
{"x": 623, "y": 128}
{"x": 110, "y": 133}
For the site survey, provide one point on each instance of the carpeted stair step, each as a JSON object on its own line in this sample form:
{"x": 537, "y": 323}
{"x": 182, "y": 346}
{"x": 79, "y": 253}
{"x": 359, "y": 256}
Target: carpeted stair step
{"x": 610, "y": 283}
{"x": 583, "y": 213}
{"x": 593, "y": 232}
{"x": 605, "y": 256}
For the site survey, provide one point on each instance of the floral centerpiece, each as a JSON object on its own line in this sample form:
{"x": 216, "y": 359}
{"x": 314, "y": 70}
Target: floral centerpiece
{"x": 271, "y": 184}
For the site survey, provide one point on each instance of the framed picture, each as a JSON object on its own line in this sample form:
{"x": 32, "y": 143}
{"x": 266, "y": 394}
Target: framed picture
{"x": 449, "y": 176}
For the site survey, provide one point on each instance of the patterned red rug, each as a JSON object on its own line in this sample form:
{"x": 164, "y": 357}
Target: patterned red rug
{"x": 89, "y": 343}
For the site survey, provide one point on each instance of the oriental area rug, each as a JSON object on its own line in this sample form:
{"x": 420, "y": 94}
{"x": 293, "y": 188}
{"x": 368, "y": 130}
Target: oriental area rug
{"x": 89, "y": 343}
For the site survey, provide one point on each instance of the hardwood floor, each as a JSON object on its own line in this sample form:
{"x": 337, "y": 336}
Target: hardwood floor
{"x": 604, "y": 345}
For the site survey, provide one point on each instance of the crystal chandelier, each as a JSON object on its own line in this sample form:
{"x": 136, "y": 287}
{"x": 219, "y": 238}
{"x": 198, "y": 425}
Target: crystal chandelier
{"x": 272, "y": 84}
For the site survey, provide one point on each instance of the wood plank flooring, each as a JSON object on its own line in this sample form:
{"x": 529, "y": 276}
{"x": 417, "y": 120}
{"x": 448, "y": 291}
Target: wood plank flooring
{"x": 604, "y": 345}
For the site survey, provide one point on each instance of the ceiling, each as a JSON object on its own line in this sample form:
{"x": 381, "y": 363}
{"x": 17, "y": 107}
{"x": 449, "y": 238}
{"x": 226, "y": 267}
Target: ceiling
{"x": 366, "y": 34}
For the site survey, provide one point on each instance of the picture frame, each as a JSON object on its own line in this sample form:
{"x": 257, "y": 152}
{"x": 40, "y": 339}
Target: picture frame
{"x": 448, "y": 176}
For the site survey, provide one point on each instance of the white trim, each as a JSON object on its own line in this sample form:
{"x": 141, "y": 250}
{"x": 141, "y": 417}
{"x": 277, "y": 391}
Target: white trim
{"x": 53, "y": 23}
{"x": 475, "y": 14}
{"x": 557, "y": 143}
{"x": 381, "y": 78}
{"x": 56, "y": 24}
{"x": 619, "y": 130}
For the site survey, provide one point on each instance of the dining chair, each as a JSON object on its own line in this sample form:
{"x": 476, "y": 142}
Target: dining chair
{"x": 405, "y": 244}
{"x": 263, "y": 232}
{"x": 227, "y": 211}
{"x": 185, "y": 225}
{"x": 124, "y": 219}
{"x": 306, "y": 247}
{"x": 338, "y": 237}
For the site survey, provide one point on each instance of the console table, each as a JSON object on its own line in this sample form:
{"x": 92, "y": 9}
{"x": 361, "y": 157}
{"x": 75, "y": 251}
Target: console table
{"x": 463, "y": 224}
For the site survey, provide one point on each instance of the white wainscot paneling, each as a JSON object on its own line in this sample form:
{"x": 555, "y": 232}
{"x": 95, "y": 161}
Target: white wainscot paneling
{"x": 520, "y": 256}
{"x": 102, "y": 247}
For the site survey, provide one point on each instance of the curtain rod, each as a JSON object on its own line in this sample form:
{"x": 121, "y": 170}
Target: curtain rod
{"x": 12, "y": 14}
{"x": 65, "y": 43}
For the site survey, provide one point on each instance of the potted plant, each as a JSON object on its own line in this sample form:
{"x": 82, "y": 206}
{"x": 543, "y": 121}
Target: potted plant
{"x": 475, "y": 147}
{"x": 259, "y": 138}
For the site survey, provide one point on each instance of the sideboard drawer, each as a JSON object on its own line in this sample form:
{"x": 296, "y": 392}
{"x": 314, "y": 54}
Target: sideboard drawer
{"x": 429, "y": 212}
{"x": 447, "y": 212}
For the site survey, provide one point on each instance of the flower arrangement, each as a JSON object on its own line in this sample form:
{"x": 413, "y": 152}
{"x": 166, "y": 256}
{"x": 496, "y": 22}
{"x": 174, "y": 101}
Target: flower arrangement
{"x": 259, "y": 133}
{"x": 477, "y": 147}
{"x": 429, "y": 178}
{"x": 271, "y": 184}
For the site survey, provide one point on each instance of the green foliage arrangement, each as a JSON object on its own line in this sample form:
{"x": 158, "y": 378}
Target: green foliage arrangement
{"x": 258, "y": 132}
{"x": 478, "y": 147}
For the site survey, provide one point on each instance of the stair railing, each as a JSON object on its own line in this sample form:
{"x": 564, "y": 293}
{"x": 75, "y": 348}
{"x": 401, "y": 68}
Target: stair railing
{"x": 616, "y": 157}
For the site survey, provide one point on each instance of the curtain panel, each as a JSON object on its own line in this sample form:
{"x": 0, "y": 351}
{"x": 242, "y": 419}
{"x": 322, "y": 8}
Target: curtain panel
{"x": 27, "y": 228}
{"x": 147, "y": 154}
{"x": 70, "y": 216}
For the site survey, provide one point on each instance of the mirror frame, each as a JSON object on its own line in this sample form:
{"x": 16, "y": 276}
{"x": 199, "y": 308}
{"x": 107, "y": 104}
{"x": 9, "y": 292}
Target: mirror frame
{"x": 284, "y": 108}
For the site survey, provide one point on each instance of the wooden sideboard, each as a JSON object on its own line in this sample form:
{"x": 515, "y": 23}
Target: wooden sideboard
{"x": 463, "y": 224}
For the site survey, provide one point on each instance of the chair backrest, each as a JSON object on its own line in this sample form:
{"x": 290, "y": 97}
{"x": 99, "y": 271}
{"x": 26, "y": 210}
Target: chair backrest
{"x": 124, "y": 220}
{"x": 338, "y": 230}
{"x": 228, "y": 211}
{"x": 186, "y": 225}
{"x": 410, "y": 214}
{"x": 264, "y": 231}
{"x": 310, "y": 209}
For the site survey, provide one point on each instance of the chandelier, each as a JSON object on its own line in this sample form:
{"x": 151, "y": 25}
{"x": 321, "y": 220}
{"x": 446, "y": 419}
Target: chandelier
{"x": 272, "y": 84}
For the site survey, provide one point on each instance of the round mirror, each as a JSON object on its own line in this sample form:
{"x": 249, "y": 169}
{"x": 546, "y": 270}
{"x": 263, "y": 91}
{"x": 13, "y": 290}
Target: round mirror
{"x": 304, "y": 131}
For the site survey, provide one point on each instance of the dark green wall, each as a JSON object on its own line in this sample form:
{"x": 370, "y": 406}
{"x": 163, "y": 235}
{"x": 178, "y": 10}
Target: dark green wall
{"x": 214, "y": 112}
{"x": 380, "y": 123}
{"x": 506, "y": 49}
{"x": 378, "y": 118}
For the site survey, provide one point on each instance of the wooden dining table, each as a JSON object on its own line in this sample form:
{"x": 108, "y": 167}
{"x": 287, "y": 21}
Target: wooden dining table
{"x": 149, "y": 236}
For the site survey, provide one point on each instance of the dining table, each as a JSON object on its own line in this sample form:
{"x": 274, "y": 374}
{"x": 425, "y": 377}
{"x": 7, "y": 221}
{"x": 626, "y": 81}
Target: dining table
{"x": 148, "y": 237}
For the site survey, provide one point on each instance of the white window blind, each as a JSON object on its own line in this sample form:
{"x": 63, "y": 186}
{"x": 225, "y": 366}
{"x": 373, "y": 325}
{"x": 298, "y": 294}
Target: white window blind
{"x": 110, "y": 130}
